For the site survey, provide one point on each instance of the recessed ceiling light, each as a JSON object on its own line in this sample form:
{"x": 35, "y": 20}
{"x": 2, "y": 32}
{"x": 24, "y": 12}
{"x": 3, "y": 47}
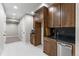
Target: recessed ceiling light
{"x": 13, "y": 20}
{"x": 32, "y": 13}
{"x": 15, "y": 7}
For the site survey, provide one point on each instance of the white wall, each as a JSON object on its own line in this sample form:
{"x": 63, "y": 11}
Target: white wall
{"x": 42, "y": 33}
{"x": 2, "y": 28}
{"x": 77, "y": 29}
{"x": 24, "y": 28}
{"x": 11, "y": 30}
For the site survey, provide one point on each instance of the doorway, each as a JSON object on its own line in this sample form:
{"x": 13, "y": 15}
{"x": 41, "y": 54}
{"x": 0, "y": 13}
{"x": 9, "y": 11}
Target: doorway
{"x": 11, "y": 32}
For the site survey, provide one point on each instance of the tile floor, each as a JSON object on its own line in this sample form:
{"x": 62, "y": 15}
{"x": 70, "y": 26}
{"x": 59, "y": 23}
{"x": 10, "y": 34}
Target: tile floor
{"x": 22, "y": 49}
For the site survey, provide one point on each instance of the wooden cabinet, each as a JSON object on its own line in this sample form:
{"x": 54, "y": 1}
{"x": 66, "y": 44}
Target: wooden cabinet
{"x": 36, "y": 36}
{"x": 32, "y": 39}
{"x": 50, "y": 46}
{"x": 67, "y": 15}
{"x": 45, "y": 21}
{"x": 62, "y": 15}
{"x": 37, "y": 33}
{"x": 38, "y": 17}
{"x": 54, "y": 15}
{"x": 42, "y": 14}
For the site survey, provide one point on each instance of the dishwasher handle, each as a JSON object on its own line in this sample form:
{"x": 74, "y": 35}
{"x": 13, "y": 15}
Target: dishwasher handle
{"x": 63, "y": 44}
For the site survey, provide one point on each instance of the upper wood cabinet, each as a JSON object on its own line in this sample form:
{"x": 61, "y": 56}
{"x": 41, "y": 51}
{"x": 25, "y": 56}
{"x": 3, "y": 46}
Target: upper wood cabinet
{"x": 67, "y": 15}
{"x": 42, "y": 16}
{"x": 62, "y": 15}
{"x": 54, "y": 15}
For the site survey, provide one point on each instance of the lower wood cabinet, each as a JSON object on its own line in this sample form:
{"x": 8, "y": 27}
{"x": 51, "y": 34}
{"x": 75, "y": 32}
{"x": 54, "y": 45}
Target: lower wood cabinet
{"x": 50, "y": 46}
{"x": 34, "y": 41}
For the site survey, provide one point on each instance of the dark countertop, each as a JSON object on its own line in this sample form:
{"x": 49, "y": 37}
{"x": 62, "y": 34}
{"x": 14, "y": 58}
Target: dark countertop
{"x": 61, "y": 40}
{"x": 65, "y": 42}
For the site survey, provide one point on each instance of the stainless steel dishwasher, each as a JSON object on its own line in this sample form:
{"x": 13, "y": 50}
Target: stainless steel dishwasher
{"x": 64, "y": 49}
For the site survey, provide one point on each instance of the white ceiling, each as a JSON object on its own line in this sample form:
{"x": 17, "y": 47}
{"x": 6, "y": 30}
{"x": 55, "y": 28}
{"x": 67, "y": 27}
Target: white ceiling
{"x": 20, "y": 10}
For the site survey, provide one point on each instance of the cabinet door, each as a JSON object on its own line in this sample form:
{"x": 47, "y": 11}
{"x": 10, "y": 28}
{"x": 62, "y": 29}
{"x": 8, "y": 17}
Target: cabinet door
{"x": 50, "y": 21}
{"x": 53, "y": 47}
{"x": 47, "y": 47}
{"x": 45, "y": 23}
{"x": 37, "y": 33}
{"x": 32, "y": 39}
{"x": 54, "y": 15}
{"x": 50, "y": 47}
{"x": 67, "y": 15}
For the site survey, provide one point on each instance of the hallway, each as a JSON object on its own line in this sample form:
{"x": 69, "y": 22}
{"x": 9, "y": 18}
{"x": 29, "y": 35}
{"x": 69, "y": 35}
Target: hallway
{"x": 22, "y": 49}
{"x": 17, "y": 21}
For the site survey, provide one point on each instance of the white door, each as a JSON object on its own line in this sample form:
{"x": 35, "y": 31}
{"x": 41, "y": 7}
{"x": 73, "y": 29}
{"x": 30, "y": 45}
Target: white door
{"x": 2, "y": 28}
